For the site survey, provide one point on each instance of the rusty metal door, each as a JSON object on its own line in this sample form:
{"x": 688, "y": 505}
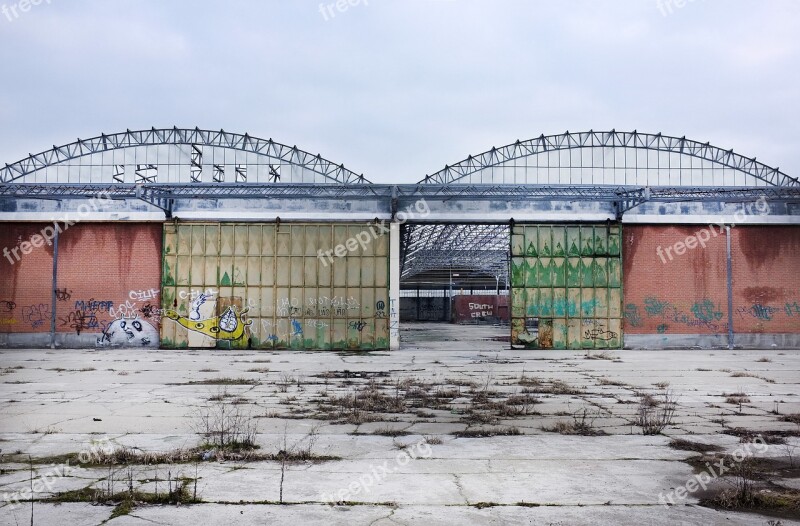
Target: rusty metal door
{"x": 566, "y": 286}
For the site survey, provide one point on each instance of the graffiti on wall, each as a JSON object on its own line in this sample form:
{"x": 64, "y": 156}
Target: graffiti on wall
{"x": 36, "y": 315}
{"x": 481, "y": 310}
{"x": 703, "y": 314}
{"x": 229, "y": 326}
{"x": 128, "y": 332}
{"x": 7, "y": 313}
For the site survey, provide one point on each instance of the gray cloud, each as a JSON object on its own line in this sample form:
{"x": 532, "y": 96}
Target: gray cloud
{"x": 398, "y": 88}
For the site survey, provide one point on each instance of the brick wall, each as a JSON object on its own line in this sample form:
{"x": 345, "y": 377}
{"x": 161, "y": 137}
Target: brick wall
{"x": 683, "y": 290}
{"x": 25, "y": 280}
{"x": 107, "y": 285}
{"x": 766, "y": 279}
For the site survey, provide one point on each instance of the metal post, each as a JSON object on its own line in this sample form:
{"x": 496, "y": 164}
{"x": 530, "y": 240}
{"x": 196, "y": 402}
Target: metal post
{"x": 730, "y": 287}
{"x": 450, "y": 299}
{"x": 53, "y": 291}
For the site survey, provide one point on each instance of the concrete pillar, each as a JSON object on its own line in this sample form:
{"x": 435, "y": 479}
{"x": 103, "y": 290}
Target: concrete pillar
{"x": 394, "y": 286}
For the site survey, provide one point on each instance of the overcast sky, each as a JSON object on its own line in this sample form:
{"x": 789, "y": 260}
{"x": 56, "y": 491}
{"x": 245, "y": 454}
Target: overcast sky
{"x": 396, "y": 89}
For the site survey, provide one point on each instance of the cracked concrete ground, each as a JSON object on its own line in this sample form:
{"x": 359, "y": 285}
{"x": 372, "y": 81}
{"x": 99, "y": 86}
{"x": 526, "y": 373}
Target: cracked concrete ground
{"x": 447, "y": 384}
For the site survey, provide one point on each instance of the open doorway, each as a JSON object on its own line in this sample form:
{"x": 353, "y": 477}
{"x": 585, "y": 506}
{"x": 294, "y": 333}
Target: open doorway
{"x": 454, "y": 284}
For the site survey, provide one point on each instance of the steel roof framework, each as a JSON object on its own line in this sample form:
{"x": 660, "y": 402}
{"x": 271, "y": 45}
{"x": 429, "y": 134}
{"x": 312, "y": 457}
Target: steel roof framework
{"x": 517, "y": 159}
{"x": 492, "y": 175}
{"x": 272, "y": 153}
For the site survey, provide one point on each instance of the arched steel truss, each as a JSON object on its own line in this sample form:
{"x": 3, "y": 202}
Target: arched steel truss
{"x": 192, "y": 138}
{"x": 468, "y": 170}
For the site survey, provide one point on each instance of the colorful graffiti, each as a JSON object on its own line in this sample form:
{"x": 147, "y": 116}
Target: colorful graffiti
{"x": 229, "y": 326}
{"x": 128, "y": 332}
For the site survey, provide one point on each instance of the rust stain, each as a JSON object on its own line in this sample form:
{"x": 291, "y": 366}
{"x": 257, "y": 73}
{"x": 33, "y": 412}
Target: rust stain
{"x": 763, "y": 295}
{"x": 762, "y": 245}
{"x": 632, "y": 236}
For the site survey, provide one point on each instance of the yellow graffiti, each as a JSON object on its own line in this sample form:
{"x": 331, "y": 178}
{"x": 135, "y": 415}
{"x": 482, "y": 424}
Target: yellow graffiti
{"x": 228, "y": 326}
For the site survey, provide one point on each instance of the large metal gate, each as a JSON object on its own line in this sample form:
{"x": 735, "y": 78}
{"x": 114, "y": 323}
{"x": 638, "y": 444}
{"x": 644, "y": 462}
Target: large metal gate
{"x": 272, "y": 286}
{"x": 566, "y": 286}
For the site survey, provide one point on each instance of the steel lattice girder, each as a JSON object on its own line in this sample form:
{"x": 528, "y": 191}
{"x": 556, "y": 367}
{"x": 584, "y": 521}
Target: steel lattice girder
{"x": 610, "y": 139}
{"x": 180, "y": 136}
{"x": 402, "y": 193}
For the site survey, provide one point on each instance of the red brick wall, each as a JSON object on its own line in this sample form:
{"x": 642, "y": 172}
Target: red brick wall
{"x": 687, "y": 293}
{"x": 25, "y": 280}
{"x": 766, "y": 279}
{"x": 105, "y": 271}
{"x": 108, "y": 271}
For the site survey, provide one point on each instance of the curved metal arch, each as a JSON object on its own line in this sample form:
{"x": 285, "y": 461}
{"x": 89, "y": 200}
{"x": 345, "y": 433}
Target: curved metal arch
{"x": 610, "y": 139}
{"x": 180, "y": 136}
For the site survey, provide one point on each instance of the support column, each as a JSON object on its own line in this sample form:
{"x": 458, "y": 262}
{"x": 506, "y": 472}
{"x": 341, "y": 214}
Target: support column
{"x": 394, "y": 286}
{"x": 53, "y": 290}
{"x": 730, "y": 286}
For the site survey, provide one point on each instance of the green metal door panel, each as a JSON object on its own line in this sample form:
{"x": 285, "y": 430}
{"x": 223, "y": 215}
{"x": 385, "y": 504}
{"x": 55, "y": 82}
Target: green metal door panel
{"x": 560, "y": 332}
{"x": 600, "y": 272}
{"x": 600, "y": 303}
{"x": 225, "y": 271}
{"x": 587, "y": 272}
{"x": 531, "y": 269}
{"x": 559, "y": 270}
{"x": 560, "y": 307}
{"x": 574, "y": 303}
{"x": 367, "y": 304}
{"x": 574, "y": 340}
{"x": 226, "y": 240}
{"x": 353, "y": 271}
{"x": 283, "y": 271}
{"x": 587, "y": 241}
{"x": 590, "y": 303}
{"x": 253, "y": 271}
{"x": 600, "y": 242}
{"x": 184, "y": 240}
{"x": 310, "y": 272}
{"x": 615, "y": 333}
{"x": 296, "y": 271}
{"x": 282, "y": 240}
{"x": 367, "y": 271}
{"x": 545, "y": 242}
{"x": 574, "y": 275}
{"x": 615, "y": 303}
{"x": 559, "y": 242}
{"x": 267, "y": 271}
{"x": 614, "y": 272}
{"x": 382, "y": 271}
{"x": 517, "y": 270}
{"x": 254, "y": 240}
{"x": 532, "y": 295}
{"x": 517, "y": 242}
{"x": 573, "y": 241}
{"x": 568, "y": 278}
{"x": 545, "y": 302}
{"x": 518, "y": 302}
{"x": 545, "y": 271}
{"x": 212, "y": 238}
{"x": 614, "y": 244}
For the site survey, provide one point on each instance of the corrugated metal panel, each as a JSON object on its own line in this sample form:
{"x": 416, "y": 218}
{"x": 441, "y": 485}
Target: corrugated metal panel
{"x": 266, "y": 286}
{"x": 566, "y": 286}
